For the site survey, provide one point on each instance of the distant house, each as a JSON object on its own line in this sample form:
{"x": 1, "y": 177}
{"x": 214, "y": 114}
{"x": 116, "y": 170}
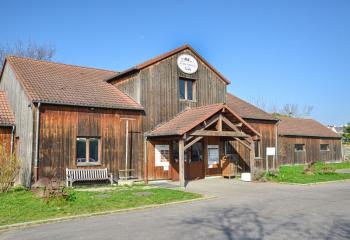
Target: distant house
{"x": 306, "y": 140}
{"x": 167, "y": 118}
{"x": 336, "y": 129}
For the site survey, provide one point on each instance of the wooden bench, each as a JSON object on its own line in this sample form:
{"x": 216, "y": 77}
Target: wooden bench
{"x": 73, "y": 175}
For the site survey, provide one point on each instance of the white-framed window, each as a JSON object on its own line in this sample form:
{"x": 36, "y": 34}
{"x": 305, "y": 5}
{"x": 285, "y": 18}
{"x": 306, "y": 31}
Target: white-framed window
{"x": 213, "y": 155}
{"x": 299, "y": 147}
{"x": 324, "y": 147}
{"x": 88, "y": 151}
{"x": 257, "y": 149}
{"x": 186, "y": 89}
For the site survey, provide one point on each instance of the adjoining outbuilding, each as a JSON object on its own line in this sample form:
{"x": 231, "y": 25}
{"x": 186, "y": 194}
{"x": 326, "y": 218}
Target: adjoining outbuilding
{"x": 306, "y": 140}
{"x": 69, "y": 117}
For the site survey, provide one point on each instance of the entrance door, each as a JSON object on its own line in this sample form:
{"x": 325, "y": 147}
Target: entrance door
{"x": 194, "y": 164}
{"x": 213, "y": 160}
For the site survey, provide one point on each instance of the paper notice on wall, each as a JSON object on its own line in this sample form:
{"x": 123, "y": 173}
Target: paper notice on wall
{"x": 166, "y": 168}
{"x": 270, "y": 151}
{"x": 162, "y": 156}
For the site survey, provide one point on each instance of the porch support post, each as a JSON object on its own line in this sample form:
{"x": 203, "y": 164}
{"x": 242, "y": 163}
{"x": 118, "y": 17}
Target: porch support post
{"x": 251, "y": 162}
{"x": 182, "y": 162}
{"x": 145, "y": 160}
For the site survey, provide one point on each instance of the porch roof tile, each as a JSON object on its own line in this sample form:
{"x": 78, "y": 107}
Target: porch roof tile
{"x": 186, "y": 120}
{"x": 190, "y": 118}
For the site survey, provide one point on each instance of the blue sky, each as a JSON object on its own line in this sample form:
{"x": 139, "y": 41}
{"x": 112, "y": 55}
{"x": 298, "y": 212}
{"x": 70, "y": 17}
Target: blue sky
{"x": 275, "y": 52}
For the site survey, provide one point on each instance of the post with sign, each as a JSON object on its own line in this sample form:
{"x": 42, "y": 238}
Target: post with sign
{"x": 270, "y": 151}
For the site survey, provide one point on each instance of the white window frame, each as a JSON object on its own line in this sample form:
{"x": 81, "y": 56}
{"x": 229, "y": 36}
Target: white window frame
{"x": 304, "y": 147}
{"x": 327, "y": 150}
{"x": 193, "y": 82}
{"x": 259, "y": 150}
{"x": 87, "y": 152}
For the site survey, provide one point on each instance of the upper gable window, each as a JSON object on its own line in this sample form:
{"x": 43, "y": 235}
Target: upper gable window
{"x": 186, "y": 87}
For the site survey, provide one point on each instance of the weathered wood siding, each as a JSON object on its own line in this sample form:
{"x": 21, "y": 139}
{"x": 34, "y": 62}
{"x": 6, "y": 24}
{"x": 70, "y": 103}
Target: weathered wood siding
{"x": 5, "y": 138}
{"x": 60, "y": 127}
{"x": 267, "y": 129}
{"x": 22, "y": 110}
{"x": 287, "y": 154}
{"x": 157, "y": 89}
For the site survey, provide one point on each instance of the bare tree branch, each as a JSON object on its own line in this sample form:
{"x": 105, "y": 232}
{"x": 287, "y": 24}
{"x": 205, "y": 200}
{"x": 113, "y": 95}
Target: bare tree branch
{"x": 29, "y": 49}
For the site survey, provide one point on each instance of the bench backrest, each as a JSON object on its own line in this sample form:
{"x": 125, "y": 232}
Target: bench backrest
{"x": 87, "y": 174}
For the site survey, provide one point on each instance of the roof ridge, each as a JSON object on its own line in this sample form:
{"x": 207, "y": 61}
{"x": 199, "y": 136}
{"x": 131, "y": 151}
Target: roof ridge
{"x": 252, "y": 105}
{"x": 60, "y": 63}
{"x": 165, "y": 55}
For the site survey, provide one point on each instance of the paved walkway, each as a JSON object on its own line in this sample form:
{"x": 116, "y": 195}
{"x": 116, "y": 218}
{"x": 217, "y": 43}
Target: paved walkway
{"x": 241, "y": 211}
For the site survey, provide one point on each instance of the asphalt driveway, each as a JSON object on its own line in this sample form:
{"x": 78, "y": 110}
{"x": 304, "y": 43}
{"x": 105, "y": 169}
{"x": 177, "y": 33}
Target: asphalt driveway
{"x": 240, "y": 211}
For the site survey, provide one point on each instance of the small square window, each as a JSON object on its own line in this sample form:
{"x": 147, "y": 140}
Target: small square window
{"x": 186, "y": 89}
{"x": 257, "y": 149}
{"x": 299, "y": 147}
{"x": 88, "y": 151}
{"x": 324, "y": 147}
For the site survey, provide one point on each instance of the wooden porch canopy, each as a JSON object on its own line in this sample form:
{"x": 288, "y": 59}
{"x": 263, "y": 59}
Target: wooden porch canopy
{"x": 192, "y": 125}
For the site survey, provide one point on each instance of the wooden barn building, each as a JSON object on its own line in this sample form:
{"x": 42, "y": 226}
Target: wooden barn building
{"x": 306, "y": 140}
{"x": 168, "y": 118}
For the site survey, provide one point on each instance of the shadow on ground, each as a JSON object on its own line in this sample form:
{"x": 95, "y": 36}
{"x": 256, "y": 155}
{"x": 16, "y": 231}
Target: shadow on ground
{"x": 245, "y": 223}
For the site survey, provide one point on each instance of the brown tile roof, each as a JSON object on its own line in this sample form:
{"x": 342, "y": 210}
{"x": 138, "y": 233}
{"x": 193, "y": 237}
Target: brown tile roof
{"x": 190, "y": 118}
{"x": 6, "y": 115}
{"x": 164, "y": 56}
{"x": 304, "y": 127}
{"x": 57, "y": 83}
{"x": 247, "y": 110}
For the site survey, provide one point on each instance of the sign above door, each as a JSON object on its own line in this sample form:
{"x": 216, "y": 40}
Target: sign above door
{"x": 187, "y": 63}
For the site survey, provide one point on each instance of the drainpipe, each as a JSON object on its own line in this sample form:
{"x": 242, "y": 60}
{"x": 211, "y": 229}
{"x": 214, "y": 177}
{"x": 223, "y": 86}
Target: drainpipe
{"x": 12, "y": 138}
{"x": 36, "y": 161}
{"x": 145, "y": 168}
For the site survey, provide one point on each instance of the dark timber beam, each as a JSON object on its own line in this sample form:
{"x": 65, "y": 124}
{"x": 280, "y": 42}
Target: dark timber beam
{"x": 208, "y": 133}
{"x": 243, "y": 143}
{"x": 219, "y": 124}
{"x": 192, "y": 142}
{"x": 211, "y": 121}
{"x": 230, "y": 124}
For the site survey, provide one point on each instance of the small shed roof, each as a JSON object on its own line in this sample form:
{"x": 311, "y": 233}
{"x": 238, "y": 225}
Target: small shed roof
{"x": 63, "y": 84}
{"x": 6, "y": 116}
{"x": 304, "y": 127}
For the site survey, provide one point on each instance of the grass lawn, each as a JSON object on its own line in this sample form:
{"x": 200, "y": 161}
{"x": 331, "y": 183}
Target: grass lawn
{"x": 19, "y": 206}
{"x": 295, "y": 174}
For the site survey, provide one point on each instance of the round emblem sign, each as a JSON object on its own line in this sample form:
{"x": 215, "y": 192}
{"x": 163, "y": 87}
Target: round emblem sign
{"x": 187, "y": 63}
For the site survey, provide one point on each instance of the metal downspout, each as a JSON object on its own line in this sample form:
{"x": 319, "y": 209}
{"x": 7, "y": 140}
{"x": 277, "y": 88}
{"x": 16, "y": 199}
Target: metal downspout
{"x": 12, "y": 139}
{"x": 145, "y": 170}
{"x": 36, "y": 161}
{"x": 276, "y": 153}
